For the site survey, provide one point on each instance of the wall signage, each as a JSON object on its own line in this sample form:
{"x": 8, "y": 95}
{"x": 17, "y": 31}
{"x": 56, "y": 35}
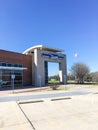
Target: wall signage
{"x": 52, "y": 56}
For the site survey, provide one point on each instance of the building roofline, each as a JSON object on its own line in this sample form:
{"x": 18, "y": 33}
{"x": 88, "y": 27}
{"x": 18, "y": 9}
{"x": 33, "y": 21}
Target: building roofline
{"x": 31, "y": 49}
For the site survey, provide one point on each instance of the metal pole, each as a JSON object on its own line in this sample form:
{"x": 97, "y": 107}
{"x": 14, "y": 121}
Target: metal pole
{"x": 13, "y": 85}
{"x": 12, "y": 81}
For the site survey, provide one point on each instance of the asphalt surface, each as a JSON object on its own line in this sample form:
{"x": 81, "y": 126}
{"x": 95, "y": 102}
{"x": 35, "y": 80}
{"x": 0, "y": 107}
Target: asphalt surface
{"x": 18, "y": 97}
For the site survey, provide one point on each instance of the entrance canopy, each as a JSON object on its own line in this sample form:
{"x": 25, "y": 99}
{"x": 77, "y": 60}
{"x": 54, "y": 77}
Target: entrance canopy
{"x": 41, "y": 55}
{"x": 41, "y": 47}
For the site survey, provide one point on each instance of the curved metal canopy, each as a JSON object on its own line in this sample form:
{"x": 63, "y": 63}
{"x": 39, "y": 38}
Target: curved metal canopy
{"x": 31, "y": 49}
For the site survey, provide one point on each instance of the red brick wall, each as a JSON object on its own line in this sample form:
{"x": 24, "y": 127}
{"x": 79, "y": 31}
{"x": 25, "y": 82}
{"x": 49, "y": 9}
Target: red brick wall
{"x": 18, "y": 58}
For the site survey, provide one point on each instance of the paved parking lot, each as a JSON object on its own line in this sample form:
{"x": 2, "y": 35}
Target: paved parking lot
{"x": 70, "y": 113}
{"x": 11, "y": 118}
{"x": 80, "y": 112}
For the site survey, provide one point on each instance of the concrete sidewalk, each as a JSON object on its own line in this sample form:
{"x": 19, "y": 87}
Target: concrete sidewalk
{"x": 11, "y": 118}
{"x": 78, "y": 112}
{"x": 22, "y": 90}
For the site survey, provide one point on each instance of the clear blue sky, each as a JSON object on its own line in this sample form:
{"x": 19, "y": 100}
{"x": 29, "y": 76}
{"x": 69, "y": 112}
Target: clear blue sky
{"x": 71, "y": 25}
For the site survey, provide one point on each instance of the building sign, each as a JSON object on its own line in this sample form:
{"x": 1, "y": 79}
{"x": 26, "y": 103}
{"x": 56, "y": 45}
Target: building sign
{"x": 52, "y": 56}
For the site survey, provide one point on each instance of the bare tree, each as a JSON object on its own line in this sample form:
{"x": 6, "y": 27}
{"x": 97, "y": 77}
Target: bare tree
{"x": 80, "y": 70}
{"x": 94, "y": 76}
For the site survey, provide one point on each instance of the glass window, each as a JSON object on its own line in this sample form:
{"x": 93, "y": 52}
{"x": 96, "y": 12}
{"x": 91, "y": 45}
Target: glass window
{"x": 3, "y": 64}
{"x": 15, "y": 65}
{"x": 0, "y": 64}
{"x": 18, "y": 72}
{"x": 20, "y": 65}
{"x": 5, "y": 75}
{"x": 9, "y": 65}
{"x": 18, "y": 77}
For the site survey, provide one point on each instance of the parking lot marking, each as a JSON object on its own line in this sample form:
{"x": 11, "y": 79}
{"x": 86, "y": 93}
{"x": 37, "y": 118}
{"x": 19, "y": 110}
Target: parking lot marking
{"x": 26, "y": 116}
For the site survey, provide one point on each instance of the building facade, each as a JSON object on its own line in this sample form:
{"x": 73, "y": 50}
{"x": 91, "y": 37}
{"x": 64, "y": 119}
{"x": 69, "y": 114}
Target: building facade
{"x": 31, "y": 67}
{"x": 14, "y": 63}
